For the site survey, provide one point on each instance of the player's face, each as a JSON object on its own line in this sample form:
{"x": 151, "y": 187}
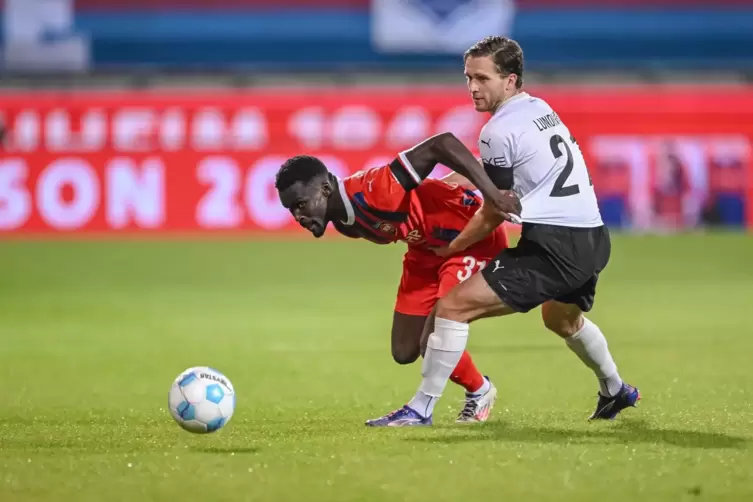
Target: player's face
{"x": 487, "y": 86}
{"x": 308, "y": 204}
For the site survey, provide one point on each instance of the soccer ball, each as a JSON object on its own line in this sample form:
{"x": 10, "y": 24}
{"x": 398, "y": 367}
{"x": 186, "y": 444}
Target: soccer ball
{"x": 201, "y": 400}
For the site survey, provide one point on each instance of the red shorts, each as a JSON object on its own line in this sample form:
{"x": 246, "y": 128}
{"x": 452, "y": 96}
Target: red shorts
{"x": 426, "y": 277}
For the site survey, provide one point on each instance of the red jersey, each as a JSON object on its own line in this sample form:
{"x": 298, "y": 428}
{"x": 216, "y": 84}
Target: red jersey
{"x": 432, "y": 214}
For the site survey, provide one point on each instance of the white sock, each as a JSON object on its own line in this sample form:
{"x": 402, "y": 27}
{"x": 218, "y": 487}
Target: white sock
{"x": 443, "y": 351}
{"x": 591, "y": 347}
{"x": 423, "y": 403}
{"x": 483, "y": 389}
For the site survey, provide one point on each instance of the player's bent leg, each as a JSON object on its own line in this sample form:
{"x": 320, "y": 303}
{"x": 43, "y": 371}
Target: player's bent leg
{"x": 480, "y": 392}
{"x": 470, "y": 300}
{"x": 406, "y": 337}
{"x": 446, "y": 344}
{"x": 587, "y": 341}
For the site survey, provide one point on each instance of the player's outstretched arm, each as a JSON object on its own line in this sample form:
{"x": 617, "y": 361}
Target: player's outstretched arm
{"x": 446, "y": 149}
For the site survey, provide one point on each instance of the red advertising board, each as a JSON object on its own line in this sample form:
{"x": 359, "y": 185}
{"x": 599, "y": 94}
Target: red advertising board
{"x": 150, "y": 163}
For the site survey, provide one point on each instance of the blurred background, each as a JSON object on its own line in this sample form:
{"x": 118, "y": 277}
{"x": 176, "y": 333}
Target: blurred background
{"x": 173, "y": 115}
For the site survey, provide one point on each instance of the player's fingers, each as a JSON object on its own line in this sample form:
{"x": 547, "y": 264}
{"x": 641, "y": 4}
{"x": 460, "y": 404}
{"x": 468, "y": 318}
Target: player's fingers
{"x": 504, "y": 209}
{"x": 508, "y": 203}
{"x": 505, "y": 216}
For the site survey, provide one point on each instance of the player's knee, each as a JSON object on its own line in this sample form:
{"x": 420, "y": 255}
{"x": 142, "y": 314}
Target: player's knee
{"x": 405, "y": 355}
{"x": 451, "y": 309}
{"x": 563, "y": 326}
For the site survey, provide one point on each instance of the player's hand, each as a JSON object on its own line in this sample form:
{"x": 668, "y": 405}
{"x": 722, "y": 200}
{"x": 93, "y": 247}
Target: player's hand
{"x": 508, "y": 205}
{"x": 443, "y": 251}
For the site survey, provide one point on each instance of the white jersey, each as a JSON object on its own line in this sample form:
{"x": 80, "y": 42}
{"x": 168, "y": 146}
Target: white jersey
{"x": 549, "y": 172}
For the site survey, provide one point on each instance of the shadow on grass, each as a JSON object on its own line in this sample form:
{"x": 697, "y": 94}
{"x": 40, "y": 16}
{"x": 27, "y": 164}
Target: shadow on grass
{"x": 627, "y": 432}
{"x": 225, "y": 451}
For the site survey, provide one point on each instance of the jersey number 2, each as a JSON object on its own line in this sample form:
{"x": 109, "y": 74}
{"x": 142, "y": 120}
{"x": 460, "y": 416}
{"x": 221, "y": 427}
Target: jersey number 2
{"x": 559, "y": 189}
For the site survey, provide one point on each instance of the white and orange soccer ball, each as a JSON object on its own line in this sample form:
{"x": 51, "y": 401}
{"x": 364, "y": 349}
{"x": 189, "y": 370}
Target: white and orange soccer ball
{"x": 201, "y": 400}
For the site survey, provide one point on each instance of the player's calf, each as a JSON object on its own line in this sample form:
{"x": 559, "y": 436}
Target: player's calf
{"x": 587, "y": 341}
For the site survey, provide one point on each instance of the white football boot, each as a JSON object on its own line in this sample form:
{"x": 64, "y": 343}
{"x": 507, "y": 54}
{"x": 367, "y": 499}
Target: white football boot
{"x": 478, "y": 407}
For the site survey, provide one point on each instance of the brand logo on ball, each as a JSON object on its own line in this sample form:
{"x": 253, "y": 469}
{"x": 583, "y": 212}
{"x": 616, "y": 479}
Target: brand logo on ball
{"x": 215, "y": 378}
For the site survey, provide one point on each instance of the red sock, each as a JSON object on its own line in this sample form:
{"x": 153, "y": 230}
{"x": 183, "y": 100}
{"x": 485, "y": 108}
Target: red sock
{"x": 467, "y": 375}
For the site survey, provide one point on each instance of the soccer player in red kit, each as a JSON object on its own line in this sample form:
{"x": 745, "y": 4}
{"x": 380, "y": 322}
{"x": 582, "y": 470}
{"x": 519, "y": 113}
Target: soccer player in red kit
{"x": 385, "y": 205}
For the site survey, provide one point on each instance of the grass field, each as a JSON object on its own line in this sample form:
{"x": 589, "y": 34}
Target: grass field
{"x": 93, "y": 333}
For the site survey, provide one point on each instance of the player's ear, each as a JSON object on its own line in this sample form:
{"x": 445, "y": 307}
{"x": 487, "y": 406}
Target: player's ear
{"x": 512, "y": 80}
{"x": 327, "y": 188}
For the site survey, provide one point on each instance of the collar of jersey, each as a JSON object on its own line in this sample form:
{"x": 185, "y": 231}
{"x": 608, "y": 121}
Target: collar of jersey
{"x": 517, "y": 97}
{"x": 346, "y": 202}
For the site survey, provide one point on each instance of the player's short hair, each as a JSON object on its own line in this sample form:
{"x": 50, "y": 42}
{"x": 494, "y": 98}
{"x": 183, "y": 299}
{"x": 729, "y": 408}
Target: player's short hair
{"x": 505, "y": 52}
{"x": 301, "y": 168}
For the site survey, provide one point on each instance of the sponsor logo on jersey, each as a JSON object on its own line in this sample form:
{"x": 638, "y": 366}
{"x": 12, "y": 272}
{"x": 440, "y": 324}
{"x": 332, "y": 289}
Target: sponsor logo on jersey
{"x": 413, "y": 237}
{"x": 500, "y": 161}
{"x": 387, "y": 228}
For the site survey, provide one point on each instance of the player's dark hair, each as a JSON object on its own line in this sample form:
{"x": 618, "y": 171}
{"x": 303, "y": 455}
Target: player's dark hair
{"x": 302, "y": 168}
{"x": 505, "y": 52}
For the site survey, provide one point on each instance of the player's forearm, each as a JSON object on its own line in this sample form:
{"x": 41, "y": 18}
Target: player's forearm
{"x": 446, "y": 149}
{"x": 459, "y": 180}
{"x": 451, "y": 152}
{"x": 478, "y": 228}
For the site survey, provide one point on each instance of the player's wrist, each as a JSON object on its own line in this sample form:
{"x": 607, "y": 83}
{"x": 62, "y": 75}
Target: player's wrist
{"x": 457, "y": 246}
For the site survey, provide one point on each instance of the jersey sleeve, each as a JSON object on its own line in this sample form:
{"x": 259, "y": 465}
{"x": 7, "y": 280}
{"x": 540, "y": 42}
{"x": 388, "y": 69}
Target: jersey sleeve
{"x": 378, "y": 193}
{"x": 404, "y": 173}
{"x": 498, "y": 153}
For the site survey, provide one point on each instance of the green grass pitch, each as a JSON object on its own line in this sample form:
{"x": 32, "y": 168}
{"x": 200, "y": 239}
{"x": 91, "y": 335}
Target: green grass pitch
{"x": 93, "y": 333}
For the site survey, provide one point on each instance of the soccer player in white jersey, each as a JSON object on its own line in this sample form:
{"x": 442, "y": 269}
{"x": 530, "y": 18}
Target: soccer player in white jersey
{"x": 564, "y": 245}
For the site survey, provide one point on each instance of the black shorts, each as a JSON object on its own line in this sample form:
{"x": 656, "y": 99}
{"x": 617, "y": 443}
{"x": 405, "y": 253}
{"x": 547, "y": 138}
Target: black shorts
{"x": 550, "y": 263}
